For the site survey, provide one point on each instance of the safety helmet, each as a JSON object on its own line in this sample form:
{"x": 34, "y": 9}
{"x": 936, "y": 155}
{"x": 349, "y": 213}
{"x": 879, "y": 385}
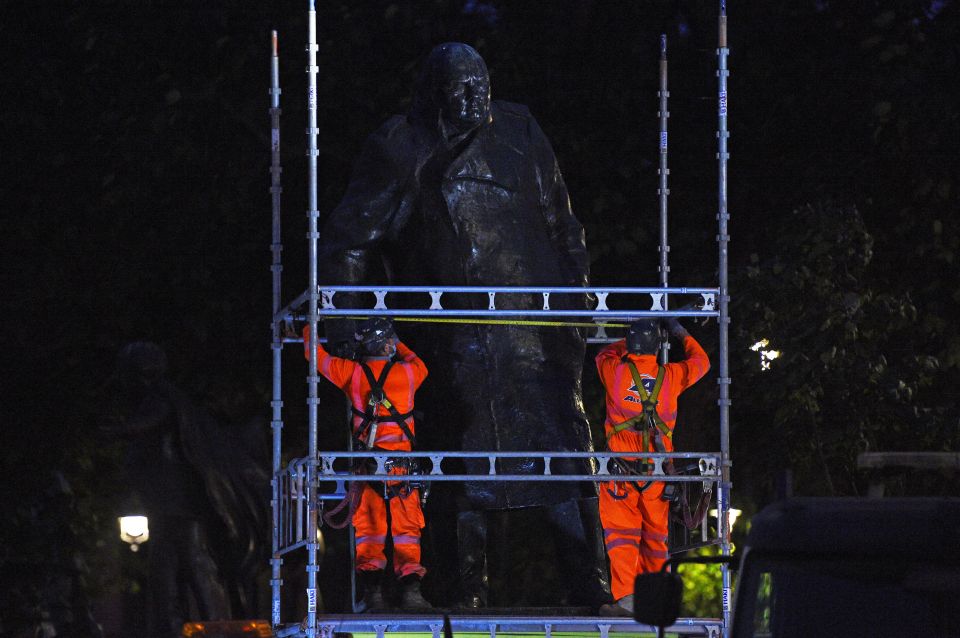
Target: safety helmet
{"x": 643, "y": 336}
{"x": 374, "y": 333}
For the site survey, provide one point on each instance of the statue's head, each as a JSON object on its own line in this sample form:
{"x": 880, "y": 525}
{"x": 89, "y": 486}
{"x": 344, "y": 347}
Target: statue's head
{"x": 141, "y": 363}
{"x": 455, "y": 85}
{"x": 643, "y": 337}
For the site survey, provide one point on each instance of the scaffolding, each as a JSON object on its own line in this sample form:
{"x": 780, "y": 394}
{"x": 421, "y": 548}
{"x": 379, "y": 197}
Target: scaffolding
{"x": 300, "y": 488}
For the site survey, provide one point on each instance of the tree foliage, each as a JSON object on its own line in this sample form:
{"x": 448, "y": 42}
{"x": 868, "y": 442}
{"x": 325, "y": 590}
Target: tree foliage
{"x": 850, "y": 377}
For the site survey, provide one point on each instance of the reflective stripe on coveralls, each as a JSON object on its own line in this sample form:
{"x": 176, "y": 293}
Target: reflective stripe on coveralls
{"x": 406, "y": 521}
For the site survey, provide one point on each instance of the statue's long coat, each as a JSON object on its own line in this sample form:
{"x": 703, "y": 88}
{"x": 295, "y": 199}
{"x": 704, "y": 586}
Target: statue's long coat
{"x": 491, "y": 211}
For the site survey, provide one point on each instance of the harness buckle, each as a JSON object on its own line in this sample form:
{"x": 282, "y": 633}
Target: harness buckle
{"x": 377, "y": 397}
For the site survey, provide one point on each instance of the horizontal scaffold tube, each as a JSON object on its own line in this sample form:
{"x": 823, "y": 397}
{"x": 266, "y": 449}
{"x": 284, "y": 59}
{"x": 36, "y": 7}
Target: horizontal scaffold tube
{"x": 618, "y": 313}
{"x": 707, "y": 464}
{"x": 494, "y": 478}
{"x": 432, "y": 297}
{"x": 517, "y": 289}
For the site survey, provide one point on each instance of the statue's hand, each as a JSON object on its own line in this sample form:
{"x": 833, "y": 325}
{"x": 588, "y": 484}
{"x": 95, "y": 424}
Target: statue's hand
{"x": 589, "y": 301}
{"x": 676, "y": 329}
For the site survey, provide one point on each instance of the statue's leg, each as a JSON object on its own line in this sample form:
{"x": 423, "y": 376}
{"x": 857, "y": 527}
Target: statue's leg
{"x": 212, "y": 600}
{"x": 472, "y": 553}
{"x": 576, "y": 529}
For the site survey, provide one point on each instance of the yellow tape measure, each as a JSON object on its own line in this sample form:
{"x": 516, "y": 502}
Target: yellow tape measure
{"x": 500, "y": 322}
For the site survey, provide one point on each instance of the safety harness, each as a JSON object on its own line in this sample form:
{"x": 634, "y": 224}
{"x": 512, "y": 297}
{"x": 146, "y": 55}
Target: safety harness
{"x": 365, "y": 436}
{"x": 649, "y": 402}
{"x": 655, "y": 427}
{"x": 648, "y": 422}
{"x": 369, "y": 417}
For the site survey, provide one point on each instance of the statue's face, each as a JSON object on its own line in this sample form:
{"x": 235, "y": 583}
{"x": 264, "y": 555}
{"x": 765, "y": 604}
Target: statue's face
{"x": 464, "y": 88}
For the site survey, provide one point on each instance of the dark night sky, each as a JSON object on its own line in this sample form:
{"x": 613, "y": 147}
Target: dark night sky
{"x": 136, "y": 204}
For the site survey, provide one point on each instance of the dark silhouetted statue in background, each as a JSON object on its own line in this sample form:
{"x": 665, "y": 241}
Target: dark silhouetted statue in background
{"x": 465, "y": 191}
{"x": 205, "y": 496}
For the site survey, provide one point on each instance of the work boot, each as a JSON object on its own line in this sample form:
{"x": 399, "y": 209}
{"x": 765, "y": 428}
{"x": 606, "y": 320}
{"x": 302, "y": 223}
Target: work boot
{"x": 411, "y": 599}
{"x": 370, "y": 581}
{"x": 621, "y": 608}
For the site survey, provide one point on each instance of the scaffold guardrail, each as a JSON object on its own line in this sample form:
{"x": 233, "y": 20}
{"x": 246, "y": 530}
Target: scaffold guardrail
{"x": 527, "y": 305}
{"x": 332, "y": 468}
{"x": 703, "y": 306}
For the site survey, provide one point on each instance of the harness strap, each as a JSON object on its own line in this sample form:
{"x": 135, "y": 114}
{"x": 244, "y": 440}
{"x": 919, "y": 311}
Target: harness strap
{"x": 649, "y": 400}
{"x": 352, "y": 499}
{"x": 649, "y": 414}
{"x": 380, "y": 397}
{"x": 620, "y": 427}
{"x": 381, "y": 419}
{"x": 691, "y": 519}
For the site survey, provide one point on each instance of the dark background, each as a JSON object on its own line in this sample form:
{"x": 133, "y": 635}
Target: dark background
{"x": 135, "y": 203}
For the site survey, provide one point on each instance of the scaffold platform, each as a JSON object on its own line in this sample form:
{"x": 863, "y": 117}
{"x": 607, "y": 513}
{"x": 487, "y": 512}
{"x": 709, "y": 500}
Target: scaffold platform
{"x": 498, "y": 624}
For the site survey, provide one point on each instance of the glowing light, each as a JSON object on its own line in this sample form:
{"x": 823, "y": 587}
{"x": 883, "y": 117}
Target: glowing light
{"x": 732, "y": 515}
{"x": 228, "y": 629}
{"x": 134, "y": 530}
{"x": 766, "y": 356}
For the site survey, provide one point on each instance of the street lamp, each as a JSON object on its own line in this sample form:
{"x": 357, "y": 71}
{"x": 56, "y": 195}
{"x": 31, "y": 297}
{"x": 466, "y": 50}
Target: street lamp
{"x": 734, "y": 514}
{"x": 134, "y": 530}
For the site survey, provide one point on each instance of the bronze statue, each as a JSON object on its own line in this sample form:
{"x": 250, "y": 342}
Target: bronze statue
{"x": 466, "y": 191}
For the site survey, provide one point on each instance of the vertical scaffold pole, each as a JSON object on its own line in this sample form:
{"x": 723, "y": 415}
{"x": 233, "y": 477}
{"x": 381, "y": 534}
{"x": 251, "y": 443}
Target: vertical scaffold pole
{"x": 312, "y": 378}
{"x": 723, "y": 238}
{"x": 663, "y": 191}
{"x": 277, "y": 345}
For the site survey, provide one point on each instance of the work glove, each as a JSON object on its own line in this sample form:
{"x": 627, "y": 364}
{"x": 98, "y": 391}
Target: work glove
{"x": 341, "y": 341}
{"x": 675, "y": 329}
{"x": 290, "y": 328}
{"x": 341, "y": 348}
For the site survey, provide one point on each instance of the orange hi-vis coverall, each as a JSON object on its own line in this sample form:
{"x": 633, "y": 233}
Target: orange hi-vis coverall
{"x": 634, "y": 522}
{"x": 370, "y": 518}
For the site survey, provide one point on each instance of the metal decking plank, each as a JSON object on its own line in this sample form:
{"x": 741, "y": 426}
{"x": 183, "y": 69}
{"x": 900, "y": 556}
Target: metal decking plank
{"x": 384, "y": 624}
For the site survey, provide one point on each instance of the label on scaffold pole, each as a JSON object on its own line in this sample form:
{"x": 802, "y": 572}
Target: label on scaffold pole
{"x": 311, "y": 601}
{"x": 726, "y": 599}
{"x": 276, "y": 613}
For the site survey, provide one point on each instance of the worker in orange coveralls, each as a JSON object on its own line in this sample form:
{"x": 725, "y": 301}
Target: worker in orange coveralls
{"x": 381, "y": 387}
{"x": 641, "y": 414}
